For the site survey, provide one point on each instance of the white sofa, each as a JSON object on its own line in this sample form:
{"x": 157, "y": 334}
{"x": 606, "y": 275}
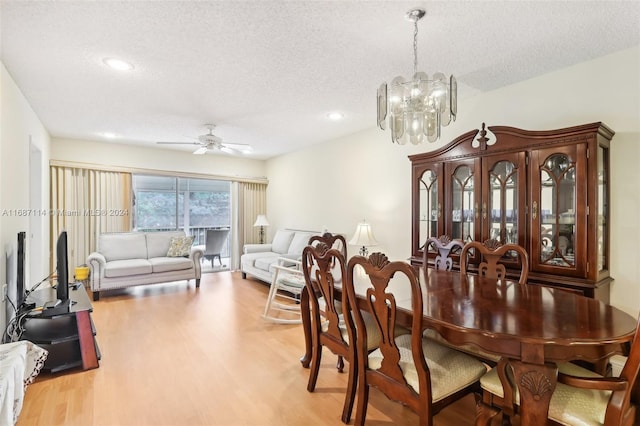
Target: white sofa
{"x": 258, "y": 259}
{"x": 125, "y": 259}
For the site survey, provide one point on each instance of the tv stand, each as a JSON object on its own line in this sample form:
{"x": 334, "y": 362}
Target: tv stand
{"x": 66, "y": 330}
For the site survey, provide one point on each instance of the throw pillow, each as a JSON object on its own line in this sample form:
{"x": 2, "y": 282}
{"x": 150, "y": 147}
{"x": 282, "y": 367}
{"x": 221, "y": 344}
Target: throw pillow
{"x": 180, "y": 246}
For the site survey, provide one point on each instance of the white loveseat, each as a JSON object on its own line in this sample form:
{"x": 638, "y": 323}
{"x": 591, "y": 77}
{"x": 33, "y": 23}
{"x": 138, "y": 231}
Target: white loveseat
{"x": 258, "y": 259}
{"x": 125, "y": 259}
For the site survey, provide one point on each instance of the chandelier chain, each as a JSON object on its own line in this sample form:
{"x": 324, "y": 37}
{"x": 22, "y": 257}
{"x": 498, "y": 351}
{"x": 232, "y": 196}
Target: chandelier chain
{"x": 415, "y": 46}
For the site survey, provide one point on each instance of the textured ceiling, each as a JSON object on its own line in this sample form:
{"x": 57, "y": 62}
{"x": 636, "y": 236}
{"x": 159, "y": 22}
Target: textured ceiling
{"x": 268, "y": 72}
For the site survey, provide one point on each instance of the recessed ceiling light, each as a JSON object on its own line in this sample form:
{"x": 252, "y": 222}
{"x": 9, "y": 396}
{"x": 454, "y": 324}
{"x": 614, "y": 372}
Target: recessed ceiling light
{"x": 118, "y": 64}
{"x": 335, "y": 116}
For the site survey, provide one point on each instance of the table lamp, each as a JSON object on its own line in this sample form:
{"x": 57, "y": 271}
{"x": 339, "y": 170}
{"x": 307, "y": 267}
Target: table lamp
{"x": 261, "y": 221}
{"x": 363, "y": 237}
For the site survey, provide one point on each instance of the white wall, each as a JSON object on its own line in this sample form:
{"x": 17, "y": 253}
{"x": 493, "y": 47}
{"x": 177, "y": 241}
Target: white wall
{"x": 113, "y": 154}
{"x": 18, "y": 126}
{"x": 365, "y": 176}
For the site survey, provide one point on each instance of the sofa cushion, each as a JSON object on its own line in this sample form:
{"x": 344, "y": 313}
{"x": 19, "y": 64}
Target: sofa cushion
{"x": 282, "y": 241}
{"x": 123, "y": 268}
{"x": 158, "y": 242}
{"x": 180, "y": 246}
{"x": 165, "y": 264}
{"x": 265, "y": 262}
{"x": 123, "y": 245}
{"x": 299, "y": 242}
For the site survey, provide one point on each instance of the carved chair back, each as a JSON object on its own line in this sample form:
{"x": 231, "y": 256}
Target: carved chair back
{"x": 492, "y": 251}
{"x": 323, "y": 268}
{"x": 381, "y": 304}
{"x": 444, "y": 246}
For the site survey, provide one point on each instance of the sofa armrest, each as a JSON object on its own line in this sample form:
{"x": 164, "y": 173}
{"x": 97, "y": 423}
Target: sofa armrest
{"x": 97, "y": 263}
{"x": 196, "y": 253}
{"x": 256, "y": 248}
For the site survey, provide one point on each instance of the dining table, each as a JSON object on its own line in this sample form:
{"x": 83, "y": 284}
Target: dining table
{"x": 532, "y": 327}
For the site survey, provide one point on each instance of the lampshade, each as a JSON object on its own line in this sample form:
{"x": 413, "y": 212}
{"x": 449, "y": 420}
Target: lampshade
{"x": 363, "y": 236}
{"x": 417, "y": 108}
{"x": 261, "y": 221}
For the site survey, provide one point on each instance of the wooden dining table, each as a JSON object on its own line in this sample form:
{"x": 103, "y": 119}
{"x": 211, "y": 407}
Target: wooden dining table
{"x": 533, "y": 327}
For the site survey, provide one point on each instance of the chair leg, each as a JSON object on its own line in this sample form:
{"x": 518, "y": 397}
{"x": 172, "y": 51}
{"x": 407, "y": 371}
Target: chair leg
{"x": 272, "y": 294}
{"x": 485, "y": 413}
{"x": 340, "y": 364}
{"x": 363, "y": 401}
{"x": 351, "y": 392}
{"x": 315, "y": 366}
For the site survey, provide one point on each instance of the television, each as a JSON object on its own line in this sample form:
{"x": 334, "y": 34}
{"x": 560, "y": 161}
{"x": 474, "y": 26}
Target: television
{"x": 62, "y": 268}
{"x": 20, "y": 278}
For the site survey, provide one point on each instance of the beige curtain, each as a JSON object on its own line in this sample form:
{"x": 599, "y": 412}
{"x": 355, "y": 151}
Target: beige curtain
{"x": 87, "y": 203}
{"x": 251, "y": 200}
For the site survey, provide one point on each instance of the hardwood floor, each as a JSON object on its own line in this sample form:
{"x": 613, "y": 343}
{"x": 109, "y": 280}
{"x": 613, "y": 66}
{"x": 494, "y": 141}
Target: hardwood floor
{"x": 176, "y": 355}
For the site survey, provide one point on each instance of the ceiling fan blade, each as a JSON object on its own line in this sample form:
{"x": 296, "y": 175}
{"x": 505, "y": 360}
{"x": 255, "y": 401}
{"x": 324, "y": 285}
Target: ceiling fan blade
{"x": 201, "y": 150}
{"x": 179, "y": 143}
{"x": 238, "y": 148}
{"x": 237, "y": 145}
{"x": 229, "y": 150}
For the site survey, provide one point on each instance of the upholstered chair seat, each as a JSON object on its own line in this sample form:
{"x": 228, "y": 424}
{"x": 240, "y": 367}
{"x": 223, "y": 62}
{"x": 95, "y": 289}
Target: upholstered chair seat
{"x": 569, "y": 405}
{"x": 441, "y": 360}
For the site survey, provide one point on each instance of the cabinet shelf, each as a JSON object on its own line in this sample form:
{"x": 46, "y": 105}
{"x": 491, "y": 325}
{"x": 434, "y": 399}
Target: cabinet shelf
{"x": 51, "y": 330}
{"x": 69, "y": 335}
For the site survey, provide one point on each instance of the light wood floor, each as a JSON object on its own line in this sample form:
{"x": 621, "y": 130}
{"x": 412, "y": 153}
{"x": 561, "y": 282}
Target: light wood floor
{"x": 176, "y": 355}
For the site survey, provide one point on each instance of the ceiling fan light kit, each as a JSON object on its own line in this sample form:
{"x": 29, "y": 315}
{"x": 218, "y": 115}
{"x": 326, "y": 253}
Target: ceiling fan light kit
{"x": 210, "y": 142}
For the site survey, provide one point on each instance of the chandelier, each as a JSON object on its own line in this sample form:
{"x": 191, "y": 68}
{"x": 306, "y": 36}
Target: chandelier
{"x": 418, "y": 108}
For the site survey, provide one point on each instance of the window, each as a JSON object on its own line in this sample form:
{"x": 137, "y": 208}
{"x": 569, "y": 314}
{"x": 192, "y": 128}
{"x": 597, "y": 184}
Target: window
{"x": 164, "y": 203}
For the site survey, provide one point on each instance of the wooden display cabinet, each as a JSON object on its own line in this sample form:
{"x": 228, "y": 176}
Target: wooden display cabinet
{"x": 546, "y": 190}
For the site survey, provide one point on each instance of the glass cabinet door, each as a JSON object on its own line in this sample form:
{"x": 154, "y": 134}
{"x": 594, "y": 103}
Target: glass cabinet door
{"x": 557, "y": 191}
{"x": 462, "y": 209}
{"x": 503, "y": 198}
{"x": 429, "y": 207}
{"x": 602, "y": 209}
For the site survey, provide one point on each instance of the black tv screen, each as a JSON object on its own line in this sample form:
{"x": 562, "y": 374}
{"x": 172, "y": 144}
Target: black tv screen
{"x": 62, "y": 267}
{"x": 20, "y": 279}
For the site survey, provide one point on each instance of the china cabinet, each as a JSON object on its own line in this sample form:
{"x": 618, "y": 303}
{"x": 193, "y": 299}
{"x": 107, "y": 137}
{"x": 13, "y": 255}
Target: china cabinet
{"x": 547, "y": 191}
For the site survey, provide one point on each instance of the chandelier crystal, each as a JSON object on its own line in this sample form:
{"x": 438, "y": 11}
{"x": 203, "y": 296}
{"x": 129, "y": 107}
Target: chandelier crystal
{"x": 417, "y": 109}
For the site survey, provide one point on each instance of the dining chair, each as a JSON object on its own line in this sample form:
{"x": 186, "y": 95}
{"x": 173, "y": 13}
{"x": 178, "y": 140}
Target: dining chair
{"x": 323, "y": 268}
{"x": 444, "y": 246}
{"x": 491, "y": 252}
{"x": 337, "y": 242}
{"x": 417, "y": 372}
{"x": 581, "y": 397}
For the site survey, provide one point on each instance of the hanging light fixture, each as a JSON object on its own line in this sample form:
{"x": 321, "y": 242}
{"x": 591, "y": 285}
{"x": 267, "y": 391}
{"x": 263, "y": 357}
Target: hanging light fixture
{"x": 418, "y": 108}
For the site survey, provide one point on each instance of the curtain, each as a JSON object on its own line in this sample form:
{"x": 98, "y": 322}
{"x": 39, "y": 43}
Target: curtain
{"x": 251, "y": 200}
{"x": 86, "y": 203}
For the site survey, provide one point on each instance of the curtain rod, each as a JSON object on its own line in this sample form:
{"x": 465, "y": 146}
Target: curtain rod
{"x": 102, "y": 167}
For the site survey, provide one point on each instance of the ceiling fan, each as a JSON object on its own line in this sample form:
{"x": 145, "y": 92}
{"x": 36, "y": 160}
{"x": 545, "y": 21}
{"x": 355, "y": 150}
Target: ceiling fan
{"x": 211, "y": 142}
